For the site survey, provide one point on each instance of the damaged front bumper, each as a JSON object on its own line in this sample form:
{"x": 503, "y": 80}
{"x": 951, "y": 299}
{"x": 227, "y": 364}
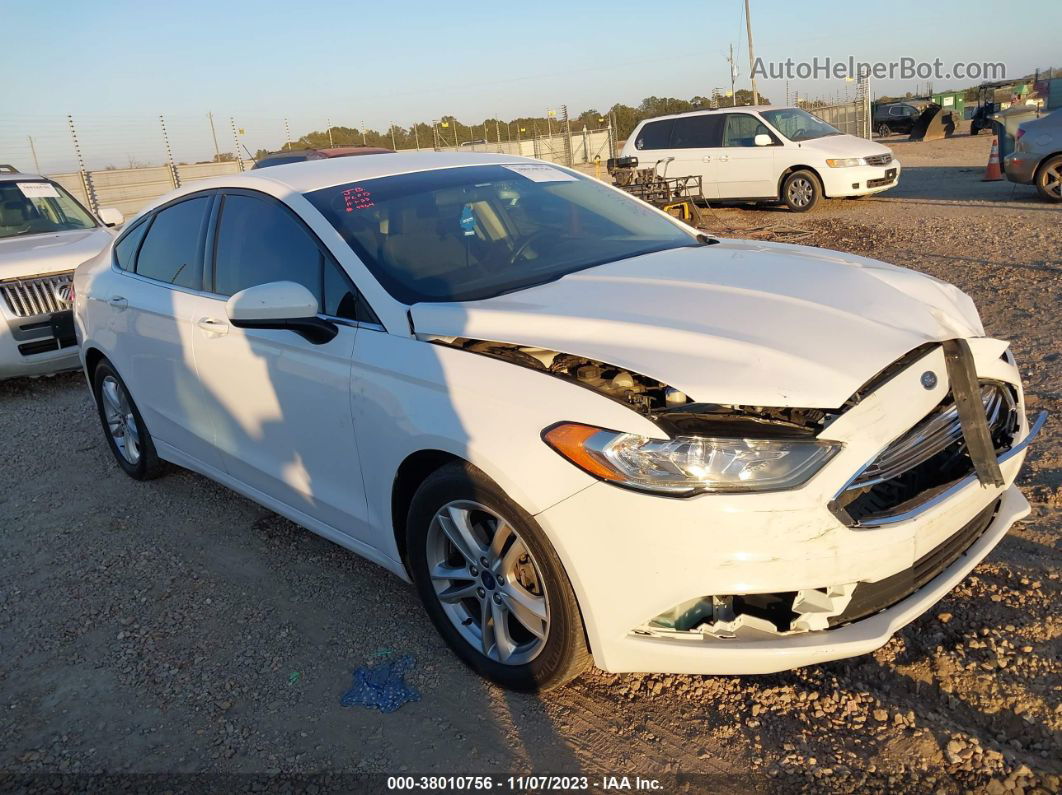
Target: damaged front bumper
{"x": 757, "y": 583}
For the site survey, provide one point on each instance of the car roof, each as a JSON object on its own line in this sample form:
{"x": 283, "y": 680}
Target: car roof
{"x": 310, "y": 175}
{"x": 18, "y": 176}
{"x": 709, "y": 111}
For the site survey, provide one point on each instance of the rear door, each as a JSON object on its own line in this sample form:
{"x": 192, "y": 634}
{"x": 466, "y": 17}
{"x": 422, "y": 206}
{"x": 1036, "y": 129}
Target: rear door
{"x": 696, "y": 144}
{"x": 744, "y": 170}
{"x": 151, "y": 304}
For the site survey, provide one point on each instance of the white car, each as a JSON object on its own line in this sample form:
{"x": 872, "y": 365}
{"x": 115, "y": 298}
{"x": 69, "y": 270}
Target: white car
{"x": 763, "y": 153}
{"x": 578, "y": 426}
{"x": 44, "y": 234}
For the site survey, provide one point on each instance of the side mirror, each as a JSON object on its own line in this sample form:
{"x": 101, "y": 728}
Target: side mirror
{"x": 280, "y": 305}
{"x": 111, "y": 216}
{"x": 762, "y": 140}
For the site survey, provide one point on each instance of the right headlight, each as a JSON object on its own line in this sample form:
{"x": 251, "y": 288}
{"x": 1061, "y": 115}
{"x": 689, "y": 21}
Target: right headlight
{"x": 846, "y": 162}
{"x": 690, "y": 464}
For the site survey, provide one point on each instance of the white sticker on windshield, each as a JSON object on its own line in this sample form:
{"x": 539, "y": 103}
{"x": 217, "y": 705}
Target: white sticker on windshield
{"x": 38, "y": 190}
{"x": 542, "y": 173}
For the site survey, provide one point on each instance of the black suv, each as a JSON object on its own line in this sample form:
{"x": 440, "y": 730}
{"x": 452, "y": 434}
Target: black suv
{"x": 898, "y": 117}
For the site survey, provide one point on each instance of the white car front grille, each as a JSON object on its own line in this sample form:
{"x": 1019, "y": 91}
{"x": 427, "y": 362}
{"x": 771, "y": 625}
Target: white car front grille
{"x": 39, "y": 295}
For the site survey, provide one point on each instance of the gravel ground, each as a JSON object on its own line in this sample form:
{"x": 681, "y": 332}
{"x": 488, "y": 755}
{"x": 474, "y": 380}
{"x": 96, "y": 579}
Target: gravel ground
{"x": 174, "y": 627}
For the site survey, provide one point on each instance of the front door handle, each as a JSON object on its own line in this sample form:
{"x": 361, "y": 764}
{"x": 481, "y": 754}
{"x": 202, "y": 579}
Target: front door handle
{"x": 724, "y": 158}
{"x": 213, "y": 326}
{"x": 118, "y": 302}
{"x": 707, "y": 158}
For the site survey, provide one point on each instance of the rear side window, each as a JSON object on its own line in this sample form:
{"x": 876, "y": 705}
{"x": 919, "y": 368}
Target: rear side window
{"x": 697, "y": 132}
{"x": 260, "y": 242}
{"x": 654, "y": 135}
{"x": 742, "y": 129}
{"x": 125, "y": 249}
{"x": 171, "y": 249}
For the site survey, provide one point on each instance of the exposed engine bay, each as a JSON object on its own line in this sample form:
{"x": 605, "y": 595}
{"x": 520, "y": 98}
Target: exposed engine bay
{"x": 673, "y": 410}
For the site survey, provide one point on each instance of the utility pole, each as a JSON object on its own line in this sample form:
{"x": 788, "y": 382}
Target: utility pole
{"x": 364, "y": 140}
{"x": 214, "y": 135}
{"x": 416, "y": 136}
{"x": 86, "y": 177}
{"x": 175, "y": 178}
{"x": 33, "y": 149}
{"x": 497, "y": 128}
{"x": 330, "y": 143}
{"x": 393, "y": 144}
{"x": 287, "y": 134}
{"x": 733, "y": 75}
{"x": 752, "y": 56}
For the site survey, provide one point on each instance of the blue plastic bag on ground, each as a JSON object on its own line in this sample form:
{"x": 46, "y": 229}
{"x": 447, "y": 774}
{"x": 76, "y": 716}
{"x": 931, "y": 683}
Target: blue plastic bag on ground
{"x": 381, "y": 686}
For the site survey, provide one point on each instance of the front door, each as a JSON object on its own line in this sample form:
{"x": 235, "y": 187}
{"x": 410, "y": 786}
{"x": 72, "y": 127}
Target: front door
{"x": 744, "y": 170}
{"x": 279, "y": 403}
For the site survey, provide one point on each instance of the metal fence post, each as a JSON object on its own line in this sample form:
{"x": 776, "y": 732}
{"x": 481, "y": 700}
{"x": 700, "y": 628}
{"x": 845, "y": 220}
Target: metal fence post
{"x": 86, "y": 178}
{"x": 174, "y": 176}
{"x": 287, "y": 134}
{"x": 236, "y": 140}
{"x": 568, "y": 158}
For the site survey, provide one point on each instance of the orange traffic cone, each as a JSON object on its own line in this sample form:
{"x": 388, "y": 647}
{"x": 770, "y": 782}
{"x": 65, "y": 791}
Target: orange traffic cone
{"x": 992, "y": 172}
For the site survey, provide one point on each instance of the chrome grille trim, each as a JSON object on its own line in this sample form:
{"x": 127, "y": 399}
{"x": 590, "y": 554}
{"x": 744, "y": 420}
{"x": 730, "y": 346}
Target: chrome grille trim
{"x": 38, "y": 295}
{"x": 879, "y": 160}
{"x": 932, "y": 435}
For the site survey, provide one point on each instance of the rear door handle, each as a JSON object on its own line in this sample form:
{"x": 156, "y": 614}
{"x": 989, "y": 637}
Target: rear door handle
{"x": 707, "y": 158}
{"x": 213, "y": 326}
{"x": 724, "y": 158}
{"x": 118, "y": 302}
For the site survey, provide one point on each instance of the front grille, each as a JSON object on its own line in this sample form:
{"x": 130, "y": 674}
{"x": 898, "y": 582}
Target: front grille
{"x": 879, "y": 160}
{"x": 929, "y": 456}
{"x": 39, "y": 295}
{"x": 872, "y": 597}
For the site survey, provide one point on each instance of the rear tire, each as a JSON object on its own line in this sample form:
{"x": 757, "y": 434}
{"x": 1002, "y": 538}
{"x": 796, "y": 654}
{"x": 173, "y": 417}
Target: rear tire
{"x": 502, "y": 577}
{"x": 124, "y": 428}
{"x": 801, "y": 191}
{"x": 1049, "y": 179}
{"x": 884, "y": 131}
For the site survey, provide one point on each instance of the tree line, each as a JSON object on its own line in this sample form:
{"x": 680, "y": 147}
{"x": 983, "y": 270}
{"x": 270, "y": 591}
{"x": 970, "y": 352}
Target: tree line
{"x": 451, "y": 131}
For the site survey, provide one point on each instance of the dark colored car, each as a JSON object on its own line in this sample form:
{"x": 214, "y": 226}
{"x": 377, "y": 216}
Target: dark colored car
{"x": 895, "y": 118}
{"x": 298, "y": 155}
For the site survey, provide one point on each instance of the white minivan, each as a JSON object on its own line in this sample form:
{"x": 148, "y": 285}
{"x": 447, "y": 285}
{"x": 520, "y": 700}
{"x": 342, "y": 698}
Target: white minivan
{"x": 763, "y": 153}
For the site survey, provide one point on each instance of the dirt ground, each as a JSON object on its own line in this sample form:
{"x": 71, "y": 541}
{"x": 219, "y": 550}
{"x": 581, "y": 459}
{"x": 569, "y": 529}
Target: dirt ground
{"x": 172, "y": 627}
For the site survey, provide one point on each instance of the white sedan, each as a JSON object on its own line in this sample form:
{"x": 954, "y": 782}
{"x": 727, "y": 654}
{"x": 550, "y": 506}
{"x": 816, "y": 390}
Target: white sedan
{"x": 581, "y": 428}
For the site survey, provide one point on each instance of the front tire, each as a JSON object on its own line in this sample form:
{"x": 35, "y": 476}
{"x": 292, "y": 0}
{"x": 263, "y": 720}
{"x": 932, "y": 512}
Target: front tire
{"x": 801, "y": 191}
{"x": 126, "y": 433}
{"x": 492, "y": 583}
{"x": 884, "y": 131}
{"x": 1049, "y": 179}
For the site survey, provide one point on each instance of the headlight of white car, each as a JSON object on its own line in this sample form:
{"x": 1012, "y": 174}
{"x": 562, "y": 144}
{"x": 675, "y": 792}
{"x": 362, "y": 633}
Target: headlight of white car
{"x": 845, "y": 162}
{"x": 690, "y": 464}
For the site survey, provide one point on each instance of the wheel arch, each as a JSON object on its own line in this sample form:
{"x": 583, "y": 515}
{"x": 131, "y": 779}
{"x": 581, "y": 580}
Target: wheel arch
{"x": 1043, "y": 162}
{"x": 93, "y": 356}
{"x": 411, "y": 473}
{"x": 798, "y": 167}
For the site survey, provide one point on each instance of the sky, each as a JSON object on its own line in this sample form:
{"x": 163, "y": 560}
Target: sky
{"x": 115, "y": 66}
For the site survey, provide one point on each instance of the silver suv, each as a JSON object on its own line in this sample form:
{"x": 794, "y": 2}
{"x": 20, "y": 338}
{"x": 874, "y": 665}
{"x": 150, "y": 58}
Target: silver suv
{"x": 1037, "y": 156}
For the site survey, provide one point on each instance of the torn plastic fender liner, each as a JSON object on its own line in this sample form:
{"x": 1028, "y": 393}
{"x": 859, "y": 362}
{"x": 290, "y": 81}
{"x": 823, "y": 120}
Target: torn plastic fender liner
{"x": 966, "y": 391}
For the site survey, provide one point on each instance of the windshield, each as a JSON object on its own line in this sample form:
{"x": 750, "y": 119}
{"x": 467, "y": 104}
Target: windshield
{"x": 460, "y": 234}
{"x": 798, "y": 125}
{"x": 34, "y": 207}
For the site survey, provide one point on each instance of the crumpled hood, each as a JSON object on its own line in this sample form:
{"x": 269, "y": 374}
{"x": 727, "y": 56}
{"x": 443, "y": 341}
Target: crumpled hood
{"x": 30, "y": 255}
{"x": 741, "y": 322}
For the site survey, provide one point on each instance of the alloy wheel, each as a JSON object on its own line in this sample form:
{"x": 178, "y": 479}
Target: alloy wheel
{"x": 1052, "y": 180}
{"x": 121, "y": 423}
{"x": 487, "y": 582}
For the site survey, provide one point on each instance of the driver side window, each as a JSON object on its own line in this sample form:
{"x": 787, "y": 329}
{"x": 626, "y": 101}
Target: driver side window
{"x": 259, "y": 241}
{"x": 742, "y": 129}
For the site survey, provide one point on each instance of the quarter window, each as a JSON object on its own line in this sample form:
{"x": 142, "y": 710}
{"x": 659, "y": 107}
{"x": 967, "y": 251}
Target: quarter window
{"x": 260, "y": 242}
{"x": 125, "y": 249}
{"x": 171, "y": 250}
{"x": 654, "y": 135}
